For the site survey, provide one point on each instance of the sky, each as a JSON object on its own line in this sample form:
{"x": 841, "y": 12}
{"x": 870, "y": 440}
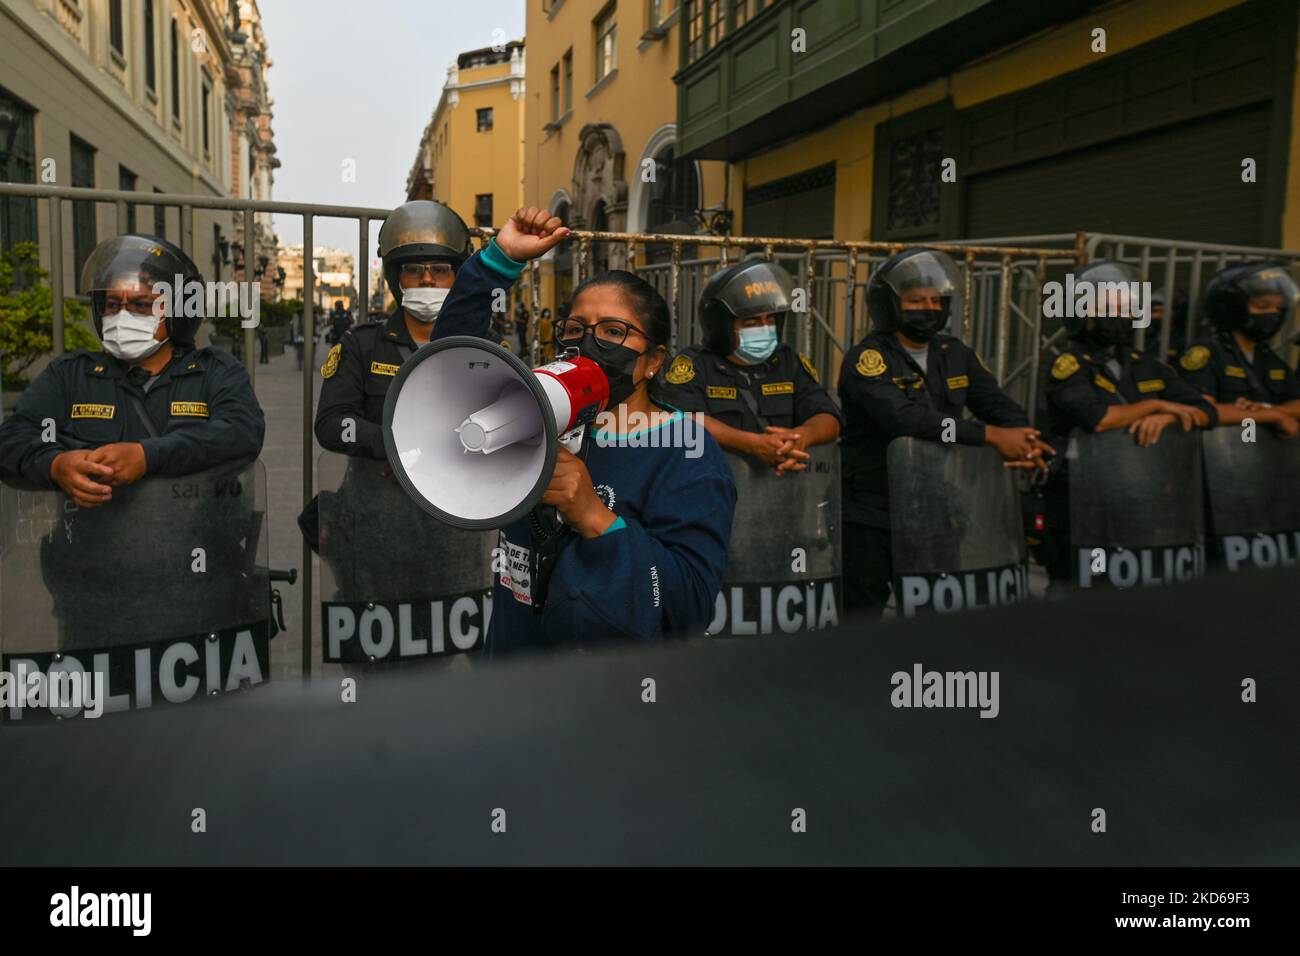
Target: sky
{"x": 359, "y": 80}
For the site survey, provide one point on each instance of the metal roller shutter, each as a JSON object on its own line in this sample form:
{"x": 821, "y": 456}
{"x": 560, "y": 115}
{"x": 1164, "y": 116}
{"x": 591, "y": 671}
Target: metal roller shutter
{"x": 1177, "y": 182}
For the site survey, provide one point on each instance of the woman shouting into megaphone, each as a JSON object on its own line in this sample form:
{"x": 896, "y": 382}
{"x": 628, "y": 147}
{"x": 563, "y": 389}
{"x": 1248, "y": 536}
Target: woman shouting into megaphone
{"x": 647, "y": 503}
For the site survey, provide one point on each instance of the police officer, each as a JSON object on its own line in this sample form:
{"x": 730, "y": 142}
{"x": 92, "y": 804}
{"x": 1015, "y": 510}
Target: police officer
{"x": 150, "y": 403}
{"x": 440, "y": 290}
{"x": 339, "y": 321}
{"x": 1099, "y": 383}
{"x": 760, "y": 397}
{"x": 1235, "y": 367}
{"x": 1177, "y": 317}
{"x": 906, "y": 378}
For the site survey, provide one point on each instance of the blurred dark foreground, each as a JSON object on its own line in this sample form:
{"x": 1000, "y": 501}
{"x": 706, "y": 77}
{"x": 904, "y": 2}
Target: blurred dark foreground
{"x": 1125, "y": 701}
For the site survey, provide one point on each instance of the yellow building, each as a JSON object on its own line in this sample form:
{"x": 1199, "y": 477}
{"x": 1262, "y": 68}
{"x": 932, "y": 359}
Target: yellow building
{"x": 471, "y": 155}
{"x": 601, "y": 131}
{"x": 139, "y": 95}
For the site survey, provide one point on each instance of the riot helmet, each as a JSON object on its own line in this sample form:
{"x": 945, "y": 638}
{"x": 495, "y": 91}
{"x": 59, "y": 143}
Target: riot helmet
{"x": 1104, "y": 305}
{"x": 744, "y": 291}
{"x": 420, "y": 231}
{"x": 902, "y": 294}
{"x": 1229, "y": 296}
{"x": 136, "y": 262}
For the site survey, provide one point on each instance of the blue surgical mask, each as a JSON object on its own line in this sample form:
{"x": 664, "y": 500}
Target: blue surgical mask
{"x": 757, "y": 345}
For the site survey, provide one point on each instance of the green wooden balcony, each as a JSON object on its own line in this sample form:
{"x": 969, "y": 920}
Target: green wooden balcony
{"x": 742, "y": 85}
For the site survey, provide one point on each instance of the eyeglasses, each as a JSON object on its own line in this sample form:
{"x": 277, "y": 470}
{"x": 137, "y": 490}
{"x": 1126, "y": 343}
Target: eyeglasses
{"x": 418, "y": 270}
{"x": 608, "y": 333}
{"x": 137, "y": 303}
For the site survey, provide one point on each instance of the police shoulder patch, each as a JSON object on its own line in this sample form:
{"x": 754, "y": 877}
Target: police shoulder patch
{"x": 681, "y": 371}
{"x": 331, "y": 362}
{"x": 1064, "y": 366}
{"x": 1195, "y": 358}
{"x": 809, "y": 368}
{"x": 871, "y": 363}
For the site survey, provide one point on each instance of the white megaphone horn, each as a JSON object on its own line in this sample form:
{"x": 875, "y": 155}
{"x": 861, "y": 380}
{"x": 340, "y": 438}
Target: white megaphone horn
{"x": 471, "y": 432}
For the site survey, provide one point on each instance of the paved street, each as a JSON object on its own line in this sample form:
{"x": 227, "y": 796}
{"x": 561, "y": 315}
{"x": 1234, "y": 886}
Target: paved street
{"x": 279, "y": 389}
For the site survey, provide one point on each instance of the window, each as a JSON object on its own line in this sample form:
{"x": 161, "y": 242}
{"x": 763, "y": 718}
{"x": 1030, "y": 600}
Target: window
{"x": 207, "y": 100}
{"x": 483, "y": 211}
{"x": 484, "y": 119}
{"x": 706, "y": 22}
{"x": 84, "y": 235}
{"x": 17, "y": 165}
{"x": 150, "y": 71}
{"x": 913, "y": 186}
{"x": 126, "y": 181}
{"x": 176, "y": 74}
{"x": 159, "y": 219}
{"x": 568, "y": 81}
{"x": 746, "y": 10}
{"x": 605, "y": 27}
{"x": 115, "y": 26}
{"x": 555, "y": 92}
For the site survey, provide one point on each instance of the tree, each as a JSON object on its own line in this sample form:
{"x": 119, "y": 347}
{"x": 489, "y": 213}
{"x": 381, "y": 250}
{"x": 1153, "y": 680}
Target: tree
{"x": 27, "y": 315}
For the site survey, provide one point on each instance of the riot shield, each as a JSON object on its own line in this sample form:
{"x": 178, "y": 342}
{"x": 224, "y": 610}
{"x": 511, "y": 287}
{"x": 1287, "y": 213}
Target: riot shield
{"x": 1135, "y": 513}
{"x": 396, "y": 584}
{"x": 957, "y": 534}
{"x": 164, "y": 591}
{"x": 783, "y": 563}
{"x": 1254, "y": 497}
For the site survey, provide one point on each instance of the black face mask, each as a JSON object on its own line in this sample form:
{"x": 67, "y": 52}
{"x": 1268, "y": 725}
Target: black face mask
{"x": 1261, "y": 326}
{"x": 921, "y": 325}
{"x": 617, "y": 363}
{"x": 1111, "y": 330}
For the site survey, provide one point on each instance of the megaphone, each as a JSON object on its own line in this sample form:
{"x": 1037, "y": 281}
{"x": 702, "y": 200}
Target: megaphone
{"x": 471, "y": 432}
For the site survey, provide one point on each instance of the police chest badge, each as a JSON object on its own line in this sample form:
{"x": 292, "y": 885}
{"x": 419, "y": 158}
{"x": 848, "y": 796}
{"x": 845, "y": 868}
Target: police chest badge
{"x": 331, "y": 362}
{"x": 1195, "y": 358}
{"x": 808, "y": 367}
{"x": 681, "y": 371}
{"x": 871, "y": 363}
{"x": 1064, "y": 366}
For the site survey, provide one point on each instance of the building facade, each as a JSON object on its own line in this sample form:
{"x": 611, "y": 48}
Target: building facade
{"x": 471, "y": 155}
{"x": 334, "y": 276}
{"x": 601, "y": 131}
{"x": 1132, "y": 117}
{"x": 149, "y": 96}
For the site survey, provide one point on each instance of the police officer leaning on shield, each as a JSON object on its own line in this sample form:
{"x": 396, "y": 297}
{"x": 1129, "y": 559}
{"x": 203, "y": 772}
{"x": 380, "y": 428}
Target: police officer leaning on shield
{"x": 440, "y": 290}
{"x": 760, "y": 397}
{"x": 1100, "y": 383}
{"x": 905, "y": 378}
{"x": 1235, "y": 368}
{"x": 149, "y": 404}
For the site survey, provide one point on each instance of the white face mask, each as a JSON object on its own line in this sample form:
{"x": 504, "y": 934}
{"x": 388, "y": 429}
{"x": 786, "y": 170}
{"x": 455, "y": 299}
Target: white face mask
{"x": 424, "y": 302}
{"x": 130, "y": 337}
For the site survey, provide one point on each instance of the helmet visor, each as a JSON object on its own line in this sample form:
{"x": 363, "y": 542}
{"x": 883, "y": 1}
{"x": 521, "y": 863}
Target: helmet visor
{"x": 927, "y": 280}
{"x": 1272, "y": 290}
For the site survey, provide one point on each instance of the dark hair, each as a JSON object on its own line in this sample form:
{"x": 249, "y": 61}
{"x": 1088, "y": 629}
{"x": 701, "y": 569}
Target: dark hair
{"x": 648, "y": 305}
